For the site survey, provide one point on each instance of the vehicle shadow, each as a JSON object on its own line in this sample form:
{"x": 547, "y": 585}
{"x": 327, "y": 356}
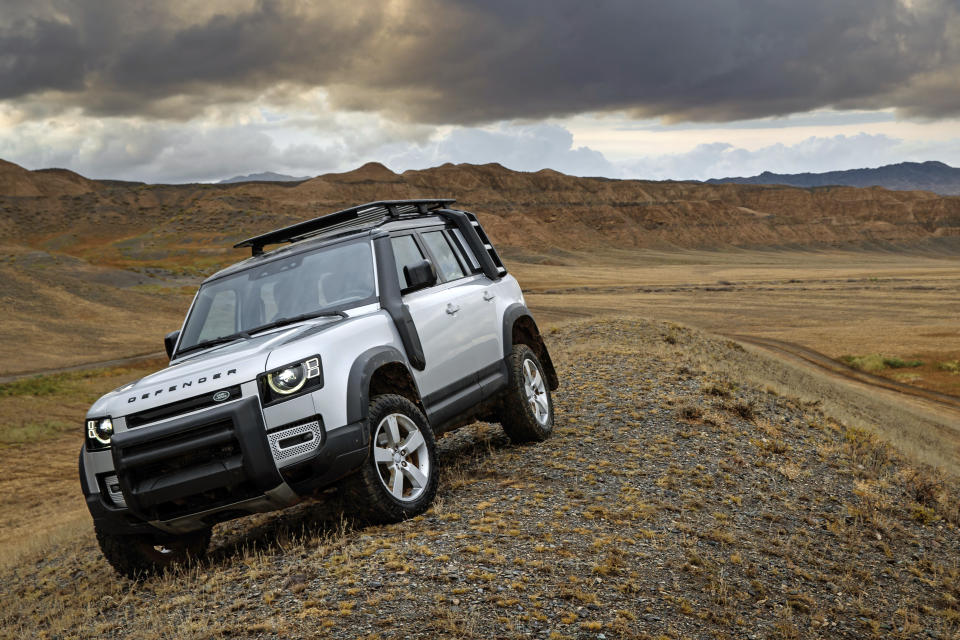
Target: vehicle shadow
{"x": 328, "y": 516}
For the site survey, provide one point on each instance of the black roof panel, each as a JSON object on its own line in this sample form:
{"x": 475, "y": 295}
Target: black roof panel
{"x": 361, "y": 216}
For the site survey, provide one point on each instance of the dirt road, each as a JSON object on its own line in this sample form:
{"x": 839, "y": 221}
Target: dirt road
{"x": 791, "y": 350}
{"x": 119, "y": 362}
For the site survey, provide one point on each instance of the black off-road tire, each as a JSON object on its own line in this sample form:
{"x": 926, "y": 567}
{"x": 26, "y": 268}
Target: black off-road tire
{"x": 517, "y": 411}
{"x": 137, "y": 556}
{"x": 365, "y": 492}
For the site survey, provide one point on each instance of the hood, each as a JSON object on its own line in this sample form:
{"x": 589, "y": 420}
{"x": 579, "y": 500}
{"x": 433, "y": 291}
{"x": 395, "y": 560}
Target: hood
{"x": 203, "y": 372}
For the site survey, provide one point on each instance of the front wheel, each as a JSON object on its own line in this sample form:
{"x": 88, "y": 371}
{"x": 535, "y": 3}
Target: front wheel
{"x": 399, "y": 478}
{"x": 142, "y": 555}
{"x": 527, "y": 409}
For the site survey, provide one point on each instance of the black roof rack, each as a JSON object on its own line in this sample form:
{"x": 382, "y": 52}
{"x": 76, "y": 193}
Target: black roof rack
{"x": 370, "y": 215}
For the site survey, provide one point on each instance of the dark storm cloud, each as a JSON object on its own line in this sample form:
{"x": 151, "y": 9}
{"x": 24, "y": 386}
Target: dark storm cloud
{"x": 39, "y": 55}
{"x": 481, "y": 61}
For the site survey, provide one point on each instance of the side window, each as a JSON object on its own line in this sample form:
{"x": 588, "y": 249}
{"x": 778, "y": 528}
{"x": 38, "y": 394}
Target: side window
{"x": 447, "y": 264}
{"x": 405, "y": 252}
{"x": 465, "y": 250}
{"x": 222, "y": 317}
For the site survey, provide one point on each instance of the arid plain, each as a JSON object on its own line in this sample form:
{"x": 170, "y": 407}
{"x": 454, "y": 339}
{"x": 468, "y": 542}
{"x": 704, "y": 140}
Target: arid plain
{"x": 869, "y": 278}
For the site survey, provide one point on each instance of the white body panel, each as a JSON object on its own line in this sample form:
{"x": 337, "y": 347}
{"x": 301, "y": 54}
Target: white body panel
{"x": 458, "y": 329}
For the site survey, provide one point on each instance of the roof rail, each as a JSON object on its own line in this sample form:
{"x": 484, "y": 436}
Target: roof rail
{"x": 365, "y": 215}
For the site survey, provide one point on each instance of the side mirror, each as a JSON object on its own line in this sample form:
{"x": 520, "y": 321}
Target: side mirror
{"x": 170, "y": 341}
{"x": 419, "y": 275}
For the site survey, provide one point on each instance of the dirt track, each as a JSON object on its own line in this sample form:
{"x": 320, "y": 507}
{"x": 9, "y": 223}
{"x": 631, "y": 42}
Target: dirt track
{"x": 781, "y": 347}
{"x": 118, "y": 362}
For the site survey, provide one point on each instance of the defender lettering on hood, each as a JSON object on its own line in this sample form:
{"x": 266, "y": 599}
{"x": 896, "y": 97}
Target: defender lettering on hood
{"x": 183, "y": 385}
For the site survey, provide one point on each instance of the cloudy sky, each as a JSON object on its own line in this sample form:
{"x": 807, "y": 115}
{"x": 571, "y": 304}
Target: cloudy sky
{"x": 189, "y": 90}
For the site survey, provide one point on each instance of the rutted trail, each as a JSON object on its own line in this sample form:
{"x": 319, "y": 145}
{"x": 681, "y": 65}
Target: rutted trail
{"x": 781, "y": 347}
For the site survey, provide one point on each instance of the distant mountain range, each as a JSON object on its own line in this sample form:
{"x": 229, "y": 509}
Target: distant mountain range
{"x": 905, "y": 176}
{"x": 266, "y": 176}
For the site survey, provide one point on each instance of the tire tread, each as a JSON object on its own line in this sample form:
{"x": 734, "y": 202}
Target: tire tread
{"x": 363, "y": 494}
{"x": 515, "y": 416}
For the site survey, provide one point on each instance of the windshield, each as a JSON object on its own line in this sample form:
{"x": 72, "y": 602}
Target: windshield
{"x": 332, "y": 278}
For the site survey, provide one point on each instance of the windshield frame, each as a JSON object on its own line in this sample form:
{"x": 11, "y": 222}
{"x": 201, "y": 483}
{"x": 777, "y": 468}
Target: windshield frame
{"x": 322, "y": 312}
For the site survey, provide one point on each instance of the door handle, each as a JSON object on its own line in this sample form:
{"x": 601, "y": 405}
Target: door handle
{"x": 452, "y": 308}
{"x": 488, "y": 296}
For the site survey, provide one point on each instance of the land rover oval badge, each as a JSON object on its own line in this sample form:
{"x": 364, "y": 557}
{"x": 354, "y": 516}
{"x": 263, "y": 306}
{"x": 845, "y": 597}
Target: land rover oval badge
{"x": 220, "y": 396}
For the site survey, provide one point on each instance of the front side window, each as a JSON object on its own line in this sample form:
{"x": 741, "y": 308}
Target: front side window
{"x": 447, "y": 264}
{"x": 332, "y": 278}
{"x": 405, "y": 253}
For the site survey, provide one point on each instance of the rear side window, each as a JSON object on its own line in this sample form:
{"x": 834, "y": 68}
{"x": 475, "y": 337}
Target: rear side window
{"x": 405, "y": 252}
{"x": 465, "y": 250}
{"x": 447, "y": 264}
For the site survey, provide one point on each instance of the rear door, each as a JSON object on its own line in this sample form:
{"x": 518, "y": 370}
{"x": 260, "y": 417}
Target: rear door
{"x": 472, "y": 300}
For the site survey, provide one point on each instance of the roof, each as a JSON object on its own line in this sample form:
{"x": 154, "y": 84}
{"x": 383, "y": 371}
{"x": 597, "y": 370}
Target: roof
{"x": 363, "y": 216}
{"x": 330, "y": 229}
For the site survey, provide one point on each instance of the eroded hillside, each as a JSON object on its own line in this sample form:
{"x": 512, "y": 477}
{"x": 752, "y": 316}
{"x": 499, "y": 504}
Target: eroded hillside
{"x": 90, "y": 270}
{"x": 526, "y": 211}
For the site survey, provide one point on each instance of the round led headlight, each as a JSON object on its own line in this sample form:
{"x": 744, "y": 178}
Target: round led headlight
{"x": 288, "y": 380}
{"x": 101, "y": 430}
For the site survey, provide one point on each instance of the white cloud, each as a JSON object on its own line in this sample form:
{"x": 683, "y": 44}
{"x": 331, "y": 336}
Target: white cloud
{"x": 225, "y": 145}
{"x": 815, "y": 154}
{"x": 519, "y": 147}
{"x": 315, "y": 139}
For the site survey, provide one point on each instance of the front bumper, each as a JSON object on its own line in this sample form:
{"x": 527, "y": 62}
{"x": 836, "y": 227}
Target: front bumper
{"x": 190, "y": 472}
{"x": 195, "y": 462}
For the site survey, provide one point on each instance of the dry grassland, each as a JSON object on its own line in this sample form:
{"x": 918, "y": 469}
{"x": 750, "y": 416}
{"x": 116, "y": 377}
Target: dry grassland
{"x": 694, "y": 488}
{"x": 676, "y": 500}
{"x": 840, "y": 303}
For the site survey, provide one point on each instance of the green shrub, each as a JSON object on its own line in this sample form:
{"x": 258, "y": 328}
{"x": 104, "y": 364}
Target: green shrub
{"x": 899, "y": 363}
{"x": 872, "y": 362}
{"x": 876, "y": 362}
{"x": 951, "y": 366}
{"x": 35, "y": 386}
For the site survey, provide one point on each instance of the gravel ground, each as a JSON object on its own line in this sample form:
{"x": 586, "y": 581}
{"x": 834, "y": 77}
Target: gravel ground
{"x": 670, "y": 503}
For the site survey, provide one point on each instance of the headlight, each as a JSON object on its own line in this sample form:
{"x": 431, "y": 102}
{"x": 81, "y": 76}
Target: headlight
{"x": 99, "y": 433}
{"x": 287, "y": 381}
{"x": 291, "y": 380}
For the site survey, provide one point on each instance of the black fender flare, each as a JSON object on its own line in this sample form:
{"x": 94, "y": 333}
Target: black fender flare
{"x": 510, "y": 316}
{"x": 358, "y": 381}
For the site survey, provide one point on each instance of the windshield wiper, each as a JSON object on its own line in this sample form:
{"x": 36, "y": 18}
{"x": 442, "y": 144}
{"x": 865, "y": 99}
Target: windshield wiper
{"x": 279, "y": 322}
{"x": 214, "y": 342}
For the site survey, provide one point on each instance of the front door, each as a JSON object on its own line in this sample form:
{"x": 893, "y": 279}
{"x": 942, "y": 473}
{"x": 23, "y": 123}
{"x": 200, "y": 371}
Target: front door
{"x": 456, "y": 323}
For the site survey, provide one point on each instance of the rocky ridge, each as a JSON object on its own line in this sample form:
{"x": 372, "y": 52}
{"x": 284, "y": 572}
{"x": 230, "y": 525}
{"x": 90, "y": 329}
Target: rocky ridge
{"x": 670, "y": 503}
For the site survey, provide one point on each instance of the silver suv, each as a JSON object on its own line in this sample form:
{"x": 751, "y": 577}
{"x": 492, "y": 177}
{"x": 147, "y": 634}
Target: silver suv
{"x": 335, "y": 359}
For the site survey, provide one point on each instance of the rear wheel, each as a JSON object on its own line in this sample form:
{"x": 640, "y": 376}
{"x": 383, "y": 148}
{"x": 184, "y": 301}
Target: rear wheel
{"x": 141, "y": 555}
{"x": 399, "y": 478}
{"x": 527, "y": 409}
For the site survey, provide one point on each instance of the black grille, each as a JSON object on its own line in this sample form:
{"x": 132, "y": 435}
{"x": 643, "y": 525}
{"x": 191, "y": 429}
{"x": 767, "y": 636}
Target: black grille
{"x": 213, "y": 442}
{"x": 191, "y": 463}
{"x": 189, "y": 471}
{"x": 181, "y": 407}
